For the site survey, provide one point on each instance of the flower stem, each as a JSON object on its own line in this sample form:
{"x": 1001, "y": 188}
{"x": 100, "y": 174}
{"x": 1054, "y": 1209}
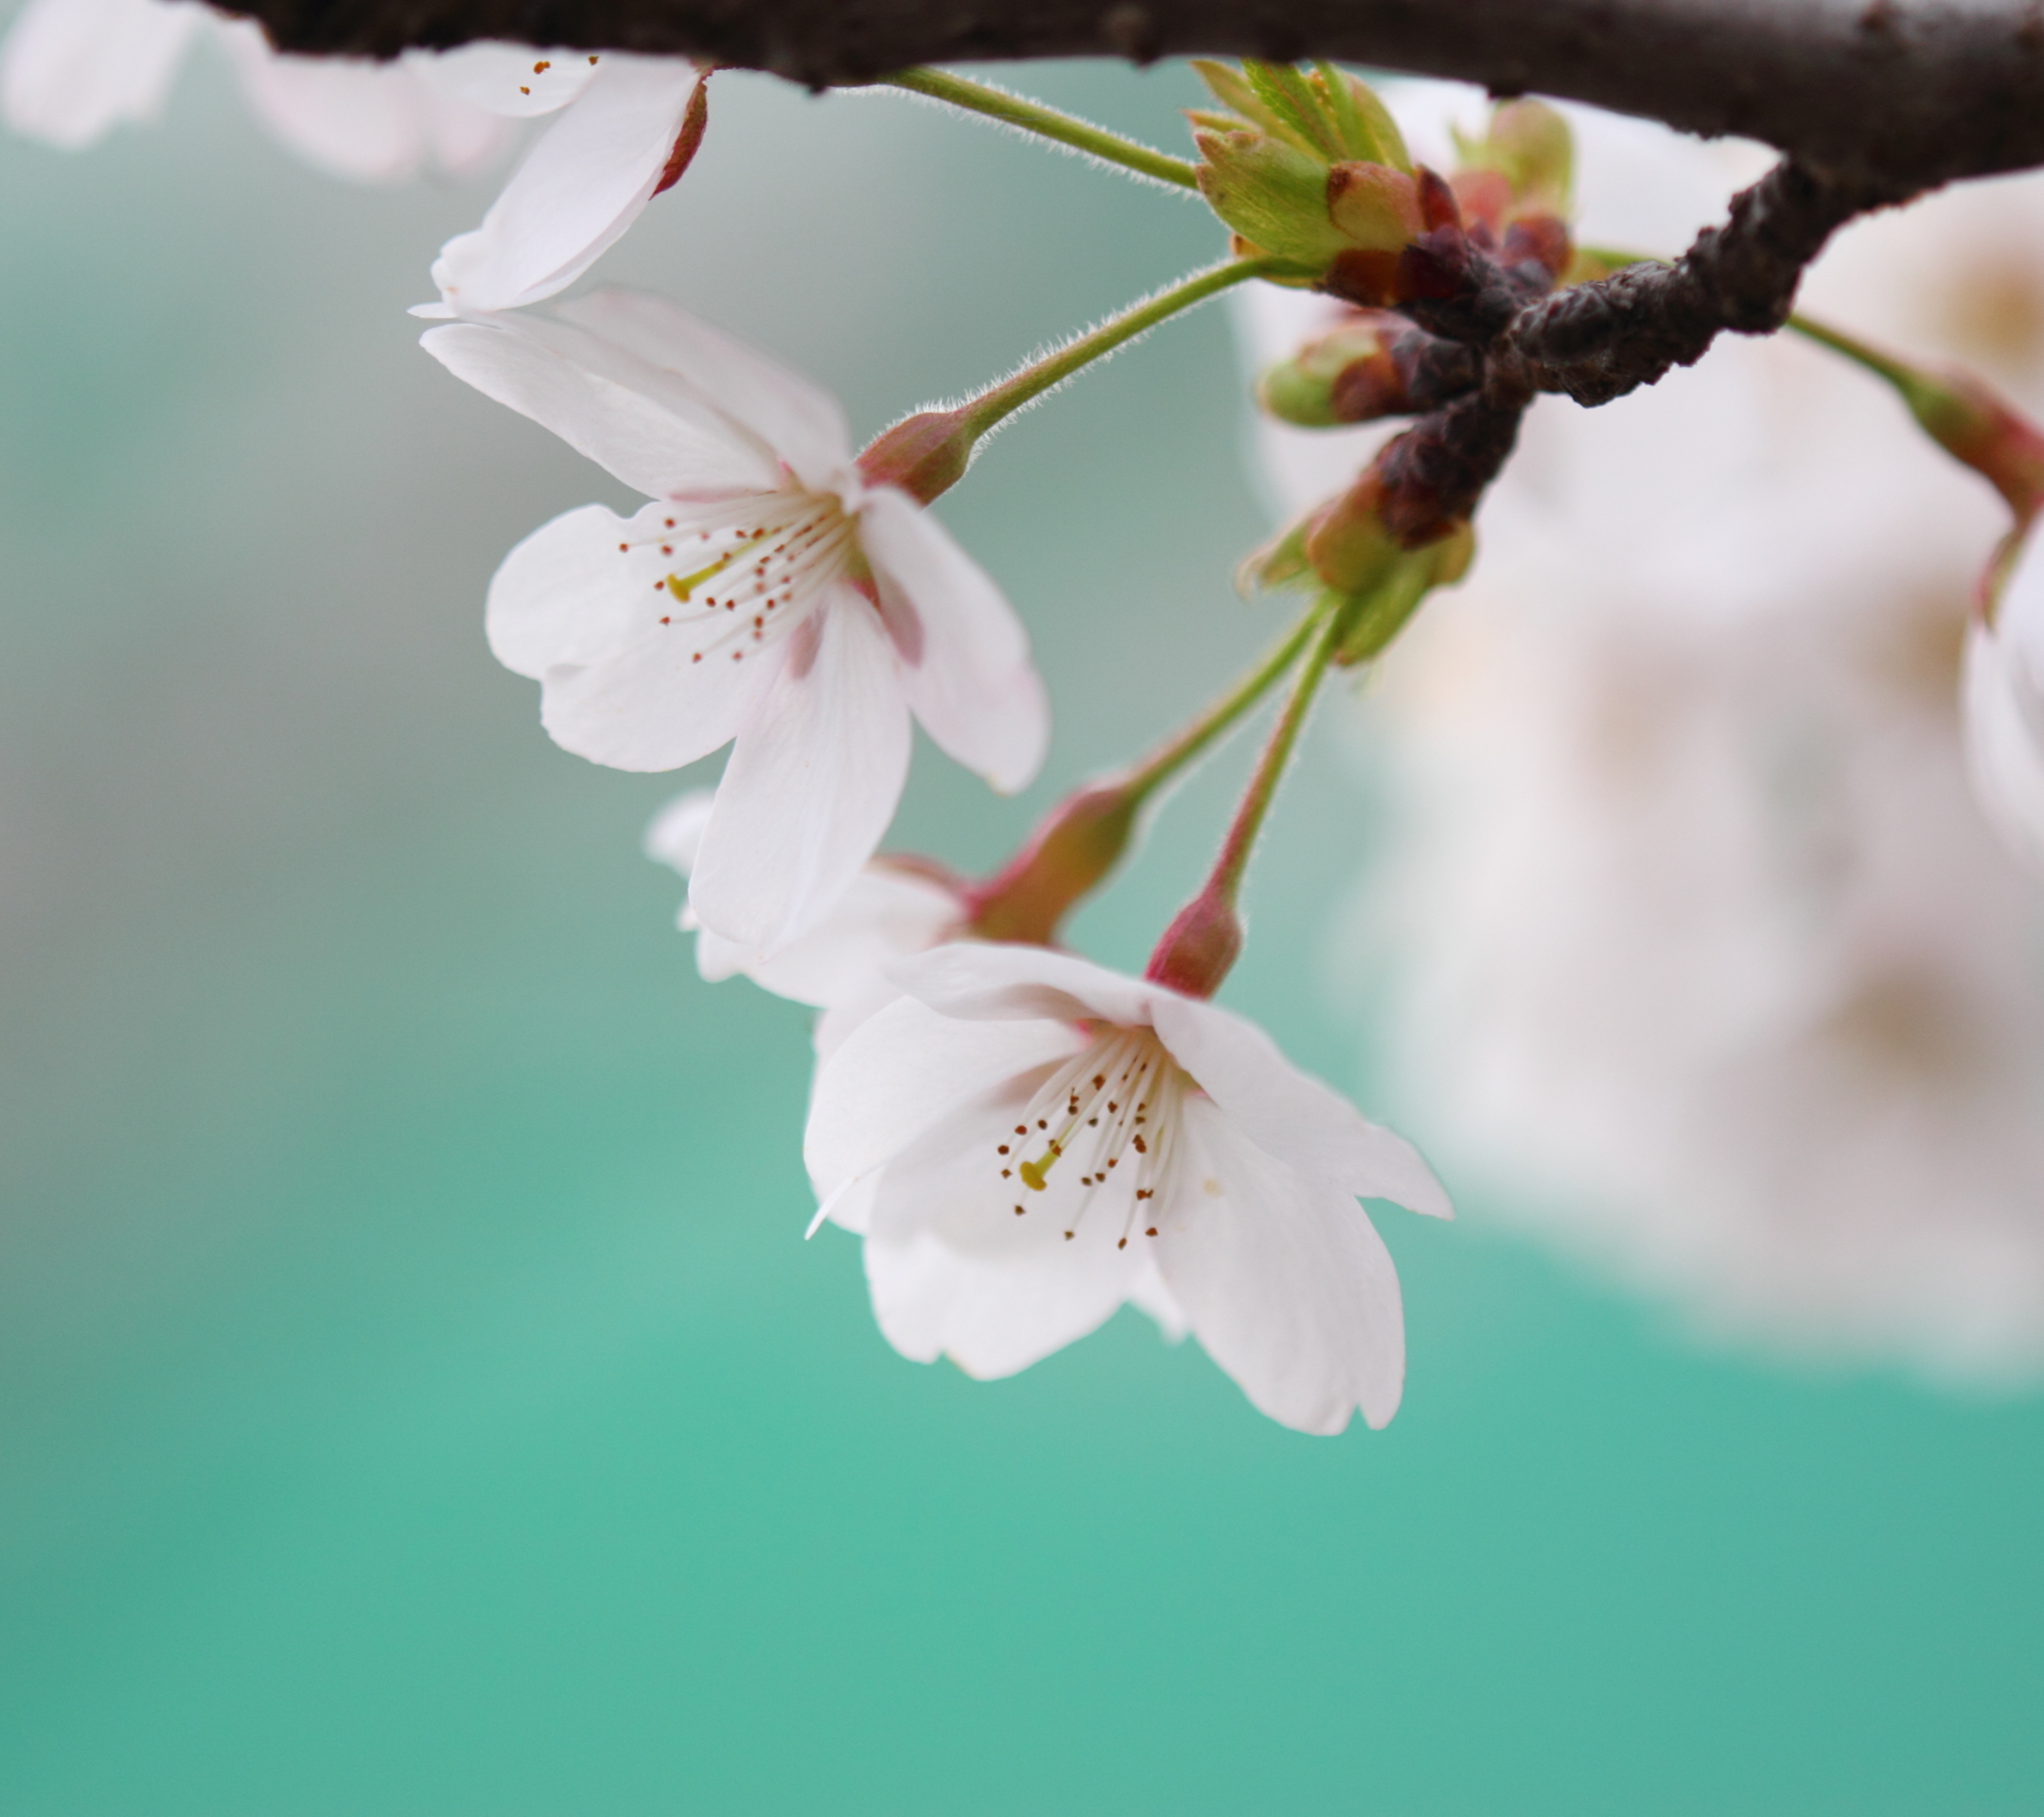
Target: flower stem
{"x": 1047, "y": 122}
{"x": 927, "y": 455}
{"x": 1179, "y": 750}
{"x": 1205, "y": 937}
{"x": 980, "y": 414}
{"x": 1082, "y": 838}
{"x": 1225, "y": 881}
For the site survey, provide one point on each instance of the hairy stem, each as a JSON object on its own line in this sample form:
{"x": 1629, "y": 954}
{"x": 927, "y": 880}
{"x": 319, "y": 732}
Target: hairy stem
{"x": 1003, "y": 399}
{"x": 1047, "y": 122}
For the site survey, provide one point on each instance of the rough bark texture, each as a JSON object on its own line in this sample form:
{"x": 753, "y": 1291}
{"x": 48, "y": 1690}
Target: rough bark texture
{"x": 1906, "y": 92}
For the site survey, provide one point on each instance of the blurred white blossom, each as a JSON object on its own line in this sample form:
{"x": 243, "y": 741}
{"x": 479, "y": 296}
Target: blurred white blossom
{"x": 1697, "y": 942}
{"x": 71, "y": 70}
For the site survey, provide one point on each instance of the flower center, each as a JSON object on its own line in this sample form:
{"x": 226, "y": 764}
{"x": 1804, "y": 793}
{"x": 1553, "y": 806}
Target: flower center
{"x": 746, "y": 571}
{"x": 1108, "y": 1117}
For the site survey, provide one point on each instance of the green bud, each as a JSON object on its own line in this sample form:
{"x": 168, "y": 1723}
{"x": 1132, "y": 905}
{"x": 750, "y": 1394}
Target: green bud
{"x": 1372, "y": 619}
{"x": 1304, "y": 164}
{"x": 1302, "y": 390}
{"x": 1272, "y": 194}
{"x": 1529, "y": 145}
{"x": 1374, "y": 206}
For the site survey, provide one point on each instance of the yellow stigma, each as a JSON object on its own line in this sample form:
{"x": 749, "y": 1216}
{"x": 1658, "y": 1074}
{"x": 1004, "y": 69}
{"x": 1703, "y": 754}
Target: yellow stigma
{"x": 681, "y": 586}
{"x": 1032, "y": 1171}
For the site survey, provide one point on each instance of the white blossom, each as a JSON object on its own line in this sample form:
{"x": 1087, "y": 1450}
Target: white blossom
{"x": 71, "y": 70}
{"x": 890, "y": 911}
{"x": 1025, "y": 1140}
{"x": 767, "y": 597}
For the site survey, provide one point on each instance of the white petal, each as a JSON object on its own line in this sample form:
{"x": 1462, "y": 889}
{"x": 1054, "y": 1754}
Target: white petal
{"x": 642, "y": 424}
{"x": 955, "y": 1272}
{"x": 578, "y": 189}
{"x": 1149, "y": 1293}
{"x": 970, "y": 677}
{"x": 2004, "y": 741}
{"x": 1284, "y": 1279}
{"x": 902, "y": 1072}
{"x": 810, "y": 787}
{"x": 620, "y": 687}
{"x": 1292, "y": 1118}
{"x": 884, "y": 914}
{"x": 71, "y": 70}
{"x": 799, "y": 421}
{"x": 676, "y": 833}
{"x": 983, "y": 981}
{"x": 513, "y": 81}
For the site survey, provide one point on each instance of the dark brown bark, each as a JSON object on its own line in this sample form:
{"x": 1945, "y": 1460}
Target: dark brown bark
{"x": 1908, "y": 92}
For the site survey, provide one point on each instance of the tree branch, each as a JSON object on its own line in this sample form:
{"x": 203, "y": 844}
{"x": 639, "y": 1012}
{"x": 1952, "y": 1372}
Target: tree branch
{"x": 1908, "y": 92}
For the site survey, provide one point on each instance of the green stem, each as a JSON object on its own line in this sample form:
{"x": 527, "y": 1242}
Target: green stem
{"x": 1080, "y": 841}
{"x": 1142, "y": 780}
{"x": 1047, "y": 122}
{"x": 1003, "y": 399}
{"x": 1904, "y": 379}
{"x": 1224, "y": 883}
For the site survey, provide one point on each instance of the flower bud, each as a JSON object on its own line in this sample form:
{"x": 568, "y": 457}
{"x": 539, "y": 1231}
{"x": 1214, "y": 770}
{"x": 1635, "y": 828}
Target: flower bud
{"x": 1348, "y": 552}
{"x": 1375, "y": 364}
{"x": 1306, "y": 167}
{"x": 1528, "y": 148}
{"x": 1346, "y": 377}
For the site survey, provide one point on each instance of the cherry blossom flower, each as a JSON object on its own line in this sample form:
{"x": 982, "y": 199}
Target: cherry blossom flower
{"x": 890, "y": 911}
{"x": 2004, "y": 707}
{"x": 767, "y": 597}
{"x": 1698, "y": 953}
{"x": 1025, "y": 1140}
{"x": 74, "y": 69}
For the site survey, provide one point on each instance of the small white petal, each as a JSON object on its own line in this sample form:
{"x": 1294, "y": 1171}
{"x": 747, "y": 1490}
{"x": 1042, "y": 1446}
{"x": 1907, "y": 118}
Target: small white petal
{"x": 953, "y": 1271}
{"x": 578, "y": 189}
{"x": 513, "y": 81}
{"x": 810, "y": 787}
{"x": 1284, "y": 1279}
{"x": 676, "y": 833}
{"x": 642, "y": 424}
{"x": 1294, "y": 1119}
{"x": 620, "y": 687}
{"x": 902, "y": 1072}
{"x": 71, "y": 70}
{"x": 1149, "y": 1293}
{"x": 970, "y": 677}
{"x": 799, "y": 421}
{"x": 983, "y": 981}
{"x": 884, "y": 914}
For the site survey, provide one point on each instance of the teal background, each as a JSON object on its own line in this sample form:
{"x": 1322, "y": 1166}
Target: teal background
{"x": 414, "y": 1393}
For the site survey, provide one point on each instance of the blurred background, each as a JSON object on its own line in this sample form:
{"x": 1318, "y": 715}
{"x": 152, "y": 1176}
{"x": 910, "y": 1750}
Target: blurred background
{"x": 415, "y": 1395}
